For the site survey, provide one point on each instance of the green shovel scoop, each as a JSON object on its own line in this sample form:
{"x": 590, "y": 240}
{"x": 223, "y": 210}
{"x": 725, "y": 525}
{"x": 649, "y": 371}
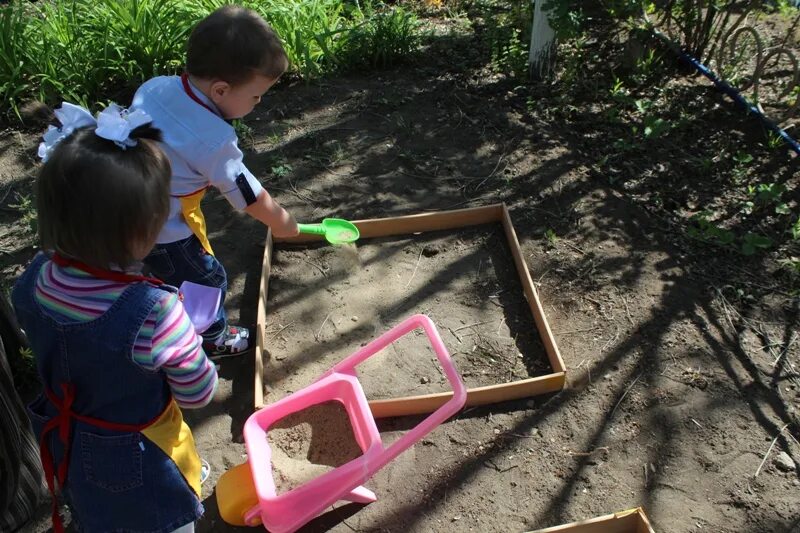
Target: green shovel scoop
{"x": 335, "y": 230}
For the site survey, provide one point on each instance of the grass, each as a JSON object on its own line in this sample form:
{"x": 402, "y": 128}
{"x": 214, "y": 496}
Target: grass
{"x": 92, "y": 51}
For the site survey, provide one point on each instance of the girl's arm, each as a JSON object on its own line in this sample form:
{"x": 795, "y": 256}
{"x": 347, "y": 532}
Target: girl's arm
{"x": 168, "y": 342}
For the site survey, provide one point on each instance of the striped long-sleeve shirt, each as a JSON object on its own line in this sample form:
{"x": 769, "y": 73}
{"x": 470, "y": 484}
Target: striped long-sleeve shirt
{"x": 167, "y": 340}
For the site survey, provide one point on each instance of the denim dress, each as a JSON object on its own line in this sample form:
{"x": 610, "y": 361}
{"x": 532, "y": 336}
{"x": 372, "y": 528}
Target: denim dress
{"x": 114, "y": 480}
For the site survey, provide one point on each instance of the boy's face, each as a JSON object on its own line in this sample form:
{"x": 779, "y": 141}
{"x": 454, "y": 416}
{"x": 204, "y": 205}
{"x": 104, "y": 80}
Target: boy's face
{"x": 236, "y": 101}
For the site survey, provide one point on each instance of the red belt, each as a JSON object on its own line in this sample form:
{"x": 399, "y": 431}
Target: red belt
{"x": 63, "y": 422}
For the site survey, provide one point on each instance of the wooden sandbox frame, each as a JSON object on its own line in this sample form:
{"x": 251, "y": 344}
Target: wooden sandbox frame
{"x": 633, "y": 521}
{"x": 413, "y": 224}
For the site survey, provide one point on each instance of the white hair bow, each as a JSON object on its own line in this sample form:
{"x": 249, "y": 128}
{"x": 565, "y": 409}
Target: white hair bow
{"x": 71, "y": 118}
{"x": 113, "y": 123}
{"x": 116, "y": 124}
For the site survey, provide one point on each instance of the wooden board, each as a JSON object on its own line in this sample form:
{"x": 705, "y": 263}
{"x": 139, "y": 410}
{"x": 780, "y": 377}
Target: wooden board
{"x": 413, "y": 224}
{"x": 633, "y": 521}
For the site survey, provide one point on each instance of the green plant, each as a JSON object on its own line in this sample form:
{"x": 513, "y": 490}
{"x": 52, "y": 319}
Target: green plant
{"x": 774, "y": 140}
{"x": 655, "y": 127}
{"x": 795, "y": 230}
{"x": 381, "y": 39}
{"x": 753, "y": 242}
{"x": 767, "y": 193}
{"x": 551, "y": 237}
{"x": 742, "y": 161}
{"x": 565, "y": 18}
{"x": 27, "y": 208}
{"x": 623, "y": 9}
{"x": 705, "y": 230}
{"x": 791, "y": 264}
{"x": 646, "y": 65}
{"x": 84, "y": 51}
{"x": 508, "y": 35}
{"x": 281, "y": 170}
{"x": 619, "y": 93}
{"x": 14, "y": 79}
{"x": 23, "y": 368}
{"x": 243, "y": 131}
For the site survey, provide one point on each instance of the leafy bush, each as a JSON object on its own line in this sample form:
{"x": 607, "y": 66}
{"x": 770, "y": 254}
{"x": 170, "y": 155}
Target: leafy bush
{"x": 89, "y": 50}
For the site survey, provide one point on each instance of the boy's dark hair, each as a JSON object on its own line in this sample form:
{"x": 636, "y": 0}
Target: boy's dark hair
{"x": 96, "y": 200}
{"x": 233, "y": 44}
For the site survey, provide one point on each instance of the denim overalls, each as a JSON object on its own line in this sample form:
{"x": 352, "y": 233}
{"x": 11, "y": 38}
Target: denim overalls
{"x": 110, "y": 430}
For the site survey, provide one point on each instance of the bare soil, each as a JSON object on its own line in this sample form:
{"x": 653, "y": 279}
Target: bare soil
{"x": 682, "y": 353}
{"x": 324, "y": 302}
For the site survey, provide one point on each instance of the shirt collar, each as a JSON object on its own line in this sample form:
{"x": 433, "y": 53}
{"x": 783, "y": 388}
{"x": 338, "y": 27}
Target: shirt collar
{"x": 203, "y": 98}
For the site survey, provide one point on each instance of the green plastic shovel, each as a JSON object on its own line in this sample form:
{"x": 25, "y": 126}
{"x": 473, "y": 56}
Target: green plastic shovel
{"x": 335, "y": 230}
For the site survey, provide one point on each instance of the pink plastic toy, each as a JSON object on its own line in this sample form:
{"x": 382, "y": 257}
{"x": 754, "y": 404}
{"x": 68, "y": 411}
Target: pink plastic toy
{"x": 253, "y": 501}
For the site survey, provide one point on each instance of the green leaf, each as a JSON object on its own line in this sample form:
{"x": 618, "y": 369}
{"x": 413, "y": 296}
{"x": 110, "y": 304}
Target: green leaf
{"x": 753, "y": 242}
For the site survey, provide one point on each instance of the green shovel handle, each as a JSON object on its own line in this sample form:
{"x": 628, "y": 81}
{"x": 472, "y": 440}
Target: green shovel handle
{"x": 315, "y": 229}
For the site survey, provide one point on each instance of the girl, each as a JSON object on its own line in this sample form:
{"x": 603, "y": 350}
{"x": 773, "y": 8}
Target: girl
{"x": 115, "y": 350}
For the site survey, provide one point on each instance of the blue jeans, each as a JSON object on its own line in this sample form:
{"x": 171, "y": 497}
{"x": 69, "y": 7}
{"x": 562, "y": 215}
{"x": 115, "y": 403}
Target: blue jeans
{"x": 187, "y": 260}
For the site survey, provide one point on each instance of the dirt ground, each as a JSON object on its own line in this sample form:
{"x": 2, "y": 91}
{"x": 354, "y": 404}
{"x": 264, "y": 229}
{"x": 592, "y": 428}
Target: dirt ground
{"x": 682, "y": 391}
{"x": 464, "y": 280}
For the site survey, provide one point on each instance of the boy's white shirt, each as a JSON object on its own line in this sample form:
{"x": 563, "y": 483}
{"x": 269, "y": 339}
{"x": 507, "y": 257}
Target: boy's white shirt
{"x": 202, "y": 148}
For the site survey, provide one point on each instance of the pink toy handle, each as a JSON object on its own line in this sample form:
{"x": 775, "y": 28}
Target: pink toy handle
{"x": 452, "y": 406}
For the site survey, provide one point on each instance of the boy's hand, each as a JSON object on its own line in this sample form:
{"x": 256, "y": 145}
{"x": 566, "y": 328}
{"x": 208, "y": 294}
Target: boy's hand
{"x": 290, "y": 229}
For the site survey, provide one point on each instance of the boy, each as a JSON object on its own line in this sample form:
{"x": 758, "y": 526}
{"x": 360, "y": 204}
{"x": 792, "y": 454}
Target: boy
{"x": 233, "y": 58}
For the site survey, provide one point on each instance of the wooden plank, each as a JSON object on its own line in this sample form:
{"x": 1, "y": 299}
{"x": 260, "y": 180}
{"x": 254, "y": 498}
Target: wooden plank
{"x": 644, "y": 523}
{"x": 532, "y": 296}
{"x": 625, "y": 522}
{"x": 427, "y": 403}
{"x": 261, "y": 322}
{"x": 410, "y": 224}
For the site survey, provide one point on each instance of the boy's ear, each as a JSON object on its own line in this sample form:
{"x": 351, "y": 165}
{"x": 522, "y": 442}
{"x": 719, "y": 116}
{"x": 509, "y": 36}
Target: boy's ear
{"x": 219, "y": 89}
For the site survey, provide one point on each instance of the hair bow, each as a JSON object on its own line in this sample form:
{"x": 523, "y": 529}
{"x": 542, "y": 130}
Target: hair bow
{"x": 113, "y": 123}
{"x": 116, "y": 124}
{"x": 71, "y": 118}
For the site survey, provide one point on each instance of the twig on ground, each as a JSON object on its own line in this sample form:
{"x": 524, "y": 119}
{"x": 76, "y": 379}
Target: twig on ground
{"x": 473, "y": 325}
{"x": 772, "y": 444}
{"x": 276, "y": 333}
{"x": 318, "y": 267}
{"x": 490, "y": 463}
{"x": 603, "y": 449}
{"x": 348, "y": 525}
{"x": 316, "y": 335}
{"x": 574, "y": 247}
{"x": 419, "y": 258}
{"x": 625, "y": 394}
{"x": 627, "y": 310}
{"x": 611, "y": 340}
{"x": 785, "y": 351}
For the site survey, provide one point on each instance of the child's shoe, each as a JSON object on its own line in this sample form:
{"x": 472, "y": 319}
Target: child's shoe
{"x": 235, "y": 341}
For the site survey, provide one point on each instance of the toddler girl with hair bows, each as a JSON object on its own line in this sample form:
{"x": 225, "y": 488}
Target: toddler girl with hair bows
{"x": 116, "y": 352}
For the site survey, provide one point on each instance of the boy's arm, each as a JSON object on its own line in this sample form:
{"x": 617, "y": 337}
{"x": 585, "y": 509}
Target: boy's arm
{"x": 227, "y": 172}
{"x": 267, "y": 210}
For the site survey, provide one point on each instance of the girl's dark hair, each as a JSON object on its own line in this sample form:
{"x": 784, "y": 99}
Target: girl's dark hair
{"x": 233, "y": 44}
{"x": 97, "y": 201}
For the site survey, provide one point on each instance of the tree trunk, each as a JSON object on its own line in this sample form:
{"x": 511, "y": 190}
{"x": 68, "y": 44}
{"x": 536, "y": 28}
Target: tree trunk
{"x": 543, "y": 44}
